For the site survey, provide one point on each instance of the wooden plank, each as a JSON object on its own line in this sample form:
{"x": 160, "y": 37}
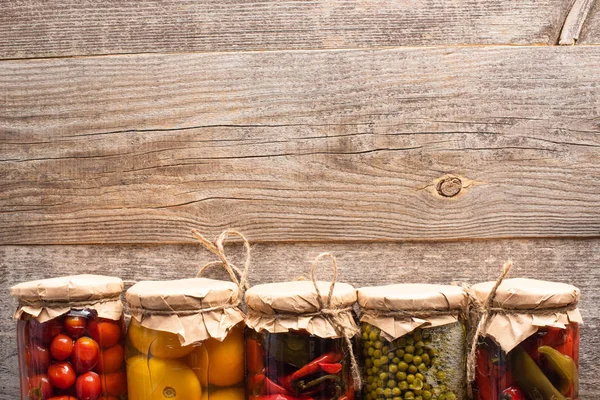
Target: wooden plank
{"x": 575, "y": 21}
{"x": 590, "y": 33}
{"x": 344, "y": 145}
{"x": 36, "y": 28}
{"x": 568, "y": 260}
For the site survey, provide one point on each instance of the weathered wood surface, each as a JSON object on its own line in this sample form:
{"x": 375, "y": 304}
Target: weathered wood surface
{"x": 288, "y": 146}
{"x": 35, "y": 28}
{"x": 362, "y": 264}
{"x": 576, "y": 19}
{"x": 590, "y": 34}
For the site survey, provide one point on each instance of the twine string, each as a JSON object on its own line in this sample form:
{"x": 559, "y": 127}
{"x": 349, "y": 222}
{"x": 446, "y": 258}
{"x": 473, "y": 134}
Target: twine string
{"x": 68, "y": 303}
{"x": 218, "y": 249}
{"x": 333, "y": 314}
{"x": 479, "y": 317}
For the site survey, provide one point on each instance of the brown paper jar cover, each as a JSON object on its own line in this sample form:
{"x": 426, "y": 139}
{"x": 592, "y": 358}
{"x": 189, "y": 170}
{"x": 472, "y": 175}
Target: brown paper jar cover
{"x": 281, "y": 307}
{"x": 376, "y": 301}
{"x": 46, "y": 299}
{"x": 194, "y": 309}
{"x": 529, "y": 305}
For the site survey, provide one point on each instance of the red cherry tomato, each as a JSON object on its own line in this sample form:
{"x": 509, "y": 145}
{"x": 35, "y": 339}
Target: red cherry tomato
{"x": 111, "y": 359}
{"x": 114, "y": 384}
{"x": 61, "y": 347}
{"x": 88, "y": 386}
{"x": 106, "y": 333}
{"x": 75, "y": 326}
{"x": 40, "y": 388}
{"x": 37, "y": 358}
{"x": 85, "y": 354}
{"x": 46, "y": 331}
{"x": 64, "y": 397}
{"x": 61, "y": 375}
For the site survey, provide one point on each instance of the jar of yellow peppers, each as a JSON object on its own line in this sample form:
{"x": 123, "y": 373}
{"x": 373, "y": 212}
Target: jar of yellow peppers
{"x": 185, "y": 340}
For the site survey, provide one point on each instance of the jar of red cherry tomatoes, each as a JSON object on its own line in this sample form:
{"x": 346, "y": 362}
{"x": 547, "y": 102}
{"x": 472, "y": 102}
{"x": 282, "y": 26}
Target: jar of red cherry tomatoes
{"x": 70, "y": 336}
{"x": 293, "y": 350}
{"x": 528, "y": 347}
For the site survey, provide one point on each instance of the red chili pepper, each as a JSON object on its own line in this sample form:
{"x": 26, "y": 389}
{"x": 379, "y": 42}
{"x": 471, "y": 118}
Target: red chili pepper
{"x": 513, "y": 393}
{"x": 253, "y": 382}
{"x": 278, "y": 397}
{"x": 310, "y": 368}
{"x": 255, "y": 356}
{"x": 270, "y": 387}
{"x": 330, "y": 368}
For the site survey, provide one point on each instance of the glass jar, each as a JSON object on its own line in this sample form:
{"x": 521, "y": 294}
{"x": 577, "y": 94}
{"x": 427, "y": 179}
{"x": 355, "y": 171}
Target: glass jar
{"x": 413, "y": 345}
{"x": 293, "y": 352}
{"x": 530, "y": 350}
{"x": 185, "y": 340}
{"x": 70, "y": 337}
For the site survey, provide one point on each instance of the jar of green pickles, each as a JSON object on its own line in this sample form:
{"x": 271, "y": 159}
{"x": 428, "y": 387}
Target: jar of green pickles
{"x": 413, "y": 343}
{"x": 293, "y": 350}
{"x": 528, "y": 346}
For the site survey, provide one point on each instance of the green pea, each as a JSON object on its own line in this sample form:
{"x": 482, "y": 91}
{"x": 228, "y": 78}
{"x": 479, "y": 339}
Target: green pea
{"x": 373, "y": 336}
{"x": 401, "y": 342}
{"x": 391, "y": 383}
{"x": 409, "y": 396}
{"x": 379, "y": 391}
{"x": 450, "y": 396}
{"x": 403, "y": 385}
{"x": 425, "y": 358}
{"x": 420, "y": 376}
{"x": 410, "y": 340}
{"x": 410, "y": 378}
{"x": 383, "y": 376}
{"x": 419, "y": 344}
{"x": 387, "y": 392}
{"x": 441, "y": 375}
{"x": 370, "y": 352}
{"x": 402, "y": 366}
{"x": 418, "y": 334}
{"x": 396, "y": 398}
{"x": 368, "y": 363}
{"x": 400, "y": 353}
{"x": 417, "y": 360}
{"x": 384, "y": 360}
{"x": 426, "y": 395}
{"x": 408, "y": 358}
{"x": 385, "y": 349}
{"x": 409, "y": 349}
{"x": 378, "y": 345}
{"x": 419, "y": 351}
{"x": 367, "y": 328}
{"x": 422, "y": 367}
{"x": 364, "y": 336}
{"x": 412, "y": 369}
{"x": 417, "y": 384}
{"x": 377, "y": 353}
{"x": 441, "y": 397}
{"x": 396, "y": 360}
{"x": 393, "y": 368}
{"x": 376, "y": 362}
{"x": 401, "y": 376}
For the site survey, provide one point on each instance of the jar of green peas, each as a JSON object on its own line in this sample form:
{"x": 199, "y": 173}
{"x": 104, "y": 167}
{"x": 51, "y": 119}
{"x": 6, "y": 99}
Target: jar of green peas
{"x": 413, "y": 342}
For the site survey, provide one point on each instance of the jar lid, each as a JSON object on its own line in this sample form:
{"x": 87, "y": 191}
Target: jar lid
{"x": 194, "y": 309}
{"x": 65, "y": 289}
{"x": 412, "y": 297}
{"x": 527, "y": 294}
{"x": 46, "y": 299}
{"x": 182, "y": 295}
{"x": 297, "y": 297}
{"x": 292, "y": 306}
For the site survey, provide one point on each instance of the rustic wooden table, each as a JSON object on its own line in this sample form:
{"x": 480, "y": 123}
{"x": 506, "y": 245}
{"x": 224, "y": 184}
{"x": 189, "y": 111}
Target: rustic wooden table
{"x": 419, "y": 141}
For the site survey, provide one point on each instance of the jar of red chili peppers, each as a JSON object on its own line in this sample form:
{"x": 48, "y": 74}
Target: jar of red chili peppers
{"x": 70, "y": 335}
{"x": 413, "y": 342}
{"x": 528, "y": 347}
{"x": 293, "y": 348}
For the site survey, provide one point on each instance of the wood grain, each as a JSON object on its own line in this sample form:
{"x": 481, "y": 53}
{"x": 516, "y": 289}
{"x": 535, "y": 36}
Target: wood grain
{"x": 301, "y": 146}
{"x": 575, "y": 21}
{"x": 572, "y": 261}
{"x": 37, "y": 28}
{"x": 590, "y": 33}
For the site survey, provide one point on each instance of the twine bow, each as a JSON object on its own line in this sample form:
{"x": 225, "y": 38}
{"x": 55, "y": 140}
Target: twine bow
{"x": 333, "y": 314}
{"x": 479, "y": 316}
{"x": 217, "y": 248}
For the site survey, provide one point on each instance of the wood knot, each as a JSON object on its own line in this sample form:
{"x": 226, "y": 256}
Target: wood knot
{"x": 449, "y": 187}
